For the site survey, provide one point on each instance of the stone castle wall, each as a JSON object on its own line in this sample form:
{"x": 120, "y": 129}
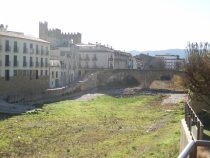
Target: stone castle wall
{"x": 56, "y": 37}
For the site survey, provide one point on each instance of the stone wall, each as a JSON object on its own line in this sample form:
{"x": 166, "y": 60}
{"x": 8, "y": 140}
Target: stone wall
{"x": 50, "y": 95}
{"x": 20, "y": 85}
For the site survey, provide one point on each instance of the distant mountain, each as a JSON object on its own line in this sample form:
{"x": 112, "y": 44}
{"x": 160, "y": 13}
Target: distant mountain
{"x": 180, "y": 52}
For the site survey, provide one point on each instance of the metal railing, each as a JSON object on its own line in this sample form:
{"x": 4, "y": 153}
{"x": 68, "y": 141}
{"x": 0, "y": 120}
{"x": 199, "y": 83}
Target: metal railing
{"x": 194, "y": 124}
{"x": 195, "y": 127}
{"x": 191, "y": 149}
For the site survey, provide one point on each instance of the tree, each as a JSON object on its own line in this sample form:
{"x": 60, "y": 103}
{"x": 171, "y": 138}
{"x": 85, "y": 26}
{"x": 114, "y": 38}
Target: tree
{"x": 197, "y": 69}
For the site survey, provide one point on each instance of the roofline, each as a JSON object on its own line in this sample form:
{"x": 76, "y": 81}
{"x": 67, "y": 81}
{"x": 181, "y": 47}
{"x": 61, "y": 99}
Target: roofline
{"x": 26, "y": 38}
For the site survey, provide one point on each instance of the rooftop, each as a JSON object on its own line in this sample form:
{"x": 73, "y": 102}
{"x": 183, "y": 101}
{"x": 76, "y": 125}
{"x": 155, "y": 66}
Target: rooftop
{"x": 21, "y": 36}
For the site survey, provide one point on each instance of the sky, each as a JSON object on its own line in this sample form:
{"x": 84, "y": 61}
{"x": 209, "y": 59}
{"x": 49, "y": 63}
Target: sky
{"x": 123, "y": 24}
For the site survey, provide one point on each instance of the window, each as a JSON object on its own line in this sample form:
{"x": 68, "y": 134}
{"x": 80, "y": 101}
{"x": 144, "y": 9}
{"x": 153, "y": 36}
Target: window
{"x": 31, "y": 61}
{"x": 46, "y": 73}
{"x": 15, "y": 47}
{"x": 31, "y": 74}
{"x": 37, "y": 49}
{"x": 31, "y": 46}
{"x": 41, "y": 72}
{"x": 7, "y": 77}
{"x": 42, "y": 64}
{"x": 56, "y": 75}
{"x": 7, "y": 47}
{"x": 52, "y": 74}
{"x": 37, "y": 74}
{"x": 7, "y": 63}
{"x": 47, "y": 52}
{"x": 37, "y": 62}
{"x": 24, "y": 73}
{"x": 24, "y": 61}
{"x": 15, "y": 60}
{"x": 46, "y": 63}
{"x": 42, "y": 51}
{"x": 15, "y": 72}
{"x": 24, "y": 48}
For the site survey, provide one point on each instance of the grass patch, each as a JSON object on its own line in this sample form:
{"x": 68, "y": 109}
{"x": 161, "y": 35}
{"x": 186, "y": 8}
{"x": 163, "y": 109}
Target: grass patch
{"x": 104, "y": 127}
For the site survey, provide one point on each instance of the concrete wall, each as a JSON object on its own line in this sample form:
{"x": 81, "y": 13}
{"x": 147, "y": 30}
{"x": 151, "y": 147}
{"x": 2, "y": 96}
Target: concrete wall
{"x": 185, "y": 137}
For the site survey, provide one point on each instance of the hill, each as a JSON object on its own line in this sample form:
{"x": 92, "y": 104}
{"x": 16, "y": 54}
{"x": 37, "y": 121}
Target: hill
{"x": 180, "y": 52}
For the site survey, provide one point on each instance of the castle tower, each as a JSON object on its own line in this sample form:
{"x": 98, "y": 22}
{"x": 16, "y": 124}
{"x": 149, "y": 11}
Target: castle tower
{"x": 43, "y": 30}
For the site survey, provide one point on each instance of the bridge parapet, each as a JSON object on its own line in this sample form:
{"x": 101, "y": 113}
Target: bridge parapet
{"x": 144, "y": 77}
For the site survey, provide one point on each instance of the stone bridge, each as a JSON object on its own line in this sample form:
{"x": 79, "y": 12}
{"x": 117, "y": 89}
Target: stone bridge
{"x": 144, "y": 78}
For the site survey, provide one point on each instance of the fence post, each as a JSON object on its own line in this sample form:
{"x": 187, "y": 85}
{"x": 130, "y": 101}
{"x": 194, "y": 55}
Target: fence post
{"x": 198, "y": 131}
{"x": 201, "y": 131}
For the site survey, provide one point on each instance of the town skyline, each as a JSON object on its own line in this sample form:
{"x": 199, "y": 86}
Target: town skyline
{"x": 124, "y": 25}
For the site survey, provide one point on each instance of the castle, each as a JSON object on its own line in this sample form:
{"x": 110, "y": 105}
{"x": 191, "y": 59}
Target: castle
{"x": 58, "y": 38}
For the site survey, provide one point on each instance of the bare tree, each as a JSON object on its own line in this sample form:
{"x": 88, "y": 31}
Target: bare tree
{"x": 197, "y": 69}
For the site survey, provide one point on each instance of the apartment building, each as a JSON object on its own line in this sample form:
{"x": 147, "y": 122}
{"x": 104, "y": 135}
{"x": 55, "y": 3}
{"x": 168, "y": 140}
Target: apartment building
{"x": 173, "y": 62}
{"x": 55, "y": 73}
{"x": 123, "y": 60}
{"x": 24, "y": 64}
{"x": 63, "y": 67}
{"x": 95, "y": 56}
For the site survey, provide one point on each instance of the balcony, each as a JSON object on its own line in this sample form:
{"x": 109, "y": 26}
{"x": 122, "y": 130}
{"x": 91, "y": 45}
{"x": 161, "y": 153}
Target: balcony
{"x": 80, "y": 58}
{"x": 110, "y": 59}
{"x": 15, "y": 63}
{"x": 25, "y": 50}
{"x": 31, "y": 64}
{"x": 37, "y": 51}
{"x": 94, "y": 58}
{"x": 24, "y": 64}
{"x": 7, "y": 63}
{"x": 42, "y": 64}
{"x": 7, "y": 49}
{"x": 87, "y": 58}
{"x": 31, "y": 51}
{"x": 37, "y": 64}
{"x": 46, "y": 64}
{"x": 16, "y": 49}
{"x": 42, "y": 52}
{"x": 47, "y": 52}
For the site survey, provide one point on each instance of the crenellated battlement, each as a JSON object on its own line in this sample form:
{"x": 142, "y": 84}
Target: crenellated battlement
{"x": 56, "y": 37}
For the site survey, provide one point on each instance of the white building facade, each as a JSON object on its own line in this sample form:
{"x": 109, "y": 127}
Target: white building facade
{"x": 95, "y": 56}
{"x": 172, "y": 62}
{"x": 63, "y": 67}
{"x": 23, "y": 57}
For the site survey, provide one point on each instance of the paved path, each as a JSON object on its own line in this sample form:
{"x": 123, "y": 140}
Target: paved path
{"x": 174, "y": 99}
{"x": 86, "y": 97}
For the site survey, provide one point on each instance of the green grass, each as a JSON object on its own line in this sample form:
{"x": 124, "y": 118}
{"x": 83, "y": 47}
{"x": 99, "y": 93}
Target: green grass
{"x": 104, "y": 127}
